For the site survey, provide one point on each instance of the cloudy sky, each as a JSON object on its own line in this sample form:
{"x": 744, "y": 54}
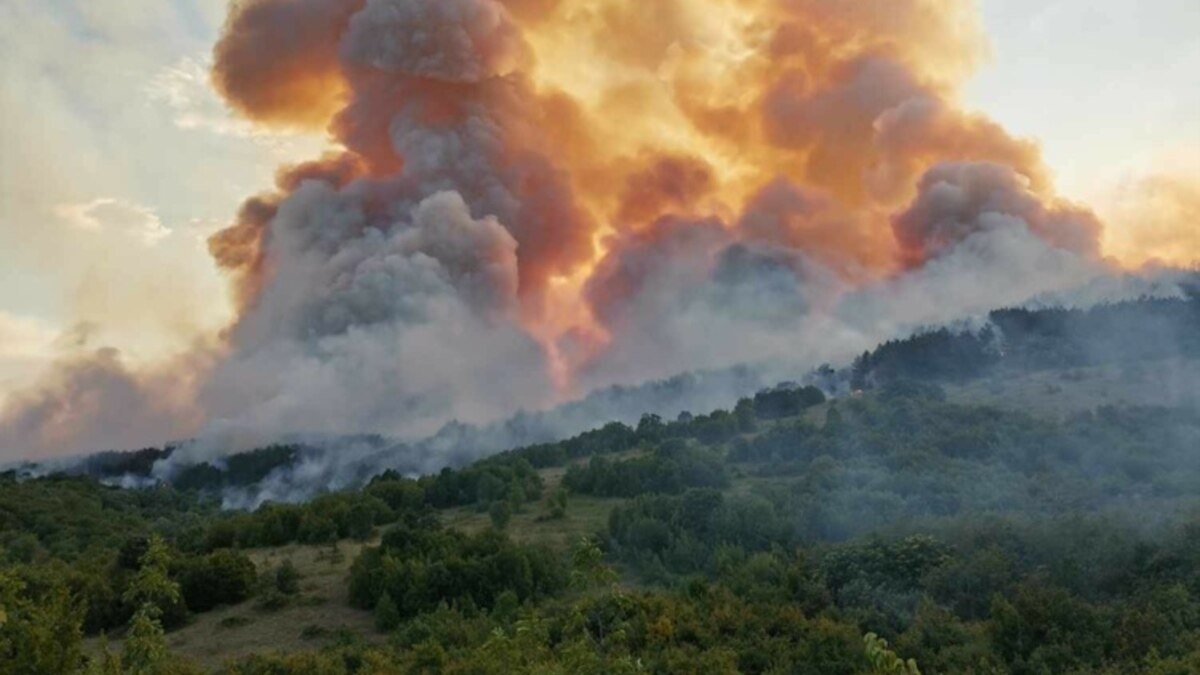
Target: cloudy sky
{"x": 116, "y": 159}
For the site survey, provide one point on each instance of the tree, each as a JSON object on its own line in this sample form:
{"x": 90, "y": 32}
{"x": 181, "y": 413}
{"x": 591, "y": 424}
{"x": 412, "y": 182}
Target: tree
{"x": 587, "y": 566}
{"x": 153, "y": 593}
{"x": 38, "y": 638}
{"x": 860, "y": 372}
{"x": 145, "y": 644}
{"x": 222, "y": 578}
{"x": 317, "y": 529}
{"x": 490, "y": 488}
{"x": 744, "y": 412}
{"x": 360, "y": 522}
{"x": 650, "y": 427}
{"x": 387, "y": 614}
{"x": 556, "y": 505}
{"x": 884, "y": 661}
{"x": 501, "y": 514}
{"x": 516, "y": 496}
{"x": 287, "y": 578}
{"x": 151, "y": 589}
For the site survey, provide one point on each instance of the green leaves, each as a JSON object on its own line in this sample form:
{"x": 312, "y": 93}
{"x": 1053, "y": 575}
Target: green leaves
{"x": 884, "y": 661}
{"x": 151, "y": 589}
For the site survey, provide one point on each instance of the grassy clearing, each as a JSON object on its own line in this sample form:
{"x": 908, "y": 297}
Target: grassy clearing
{"x": 585, "y": 516}
{"x": 311, "y": 620}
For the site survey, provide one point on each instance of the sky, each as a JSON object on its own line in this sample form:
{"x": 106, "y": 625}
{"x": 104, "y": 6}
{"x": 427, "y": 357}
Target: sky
{"x": 117, "y": 160}
{"x": 1111, "y": 88}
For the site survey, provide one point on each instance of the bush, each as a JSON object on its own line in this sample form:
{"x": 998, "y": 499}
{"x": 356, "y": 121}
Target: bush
{"x": 287, "y": 578}
{"x": 501, "y": 514}
{"x": 785, "y": 402}
{"x": 222, "y": 578}
{"x": 271, "y": 600}
{"x": 387, "y": 614}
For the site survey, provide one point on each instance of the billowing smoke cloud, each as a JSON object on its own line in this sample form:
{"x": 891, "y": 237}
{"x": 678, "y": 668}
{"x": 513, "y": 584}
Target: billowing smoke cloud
{"x": 385, "y": 331}
{"x": 279, "y": 59}
{"x": 533, "y": 198}
{"x": 959, "y": 200}
{"x": 94, "y": 401}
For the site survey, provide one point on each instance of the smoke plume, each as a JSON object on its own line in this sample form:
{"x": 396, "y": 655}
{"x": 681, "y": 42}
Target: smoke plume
{"x": 529, "y": 199}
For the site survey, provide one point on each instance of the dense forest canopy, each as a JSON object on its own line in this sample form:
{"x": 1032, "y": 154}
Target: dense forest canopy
{"x": 1039, "y": 339}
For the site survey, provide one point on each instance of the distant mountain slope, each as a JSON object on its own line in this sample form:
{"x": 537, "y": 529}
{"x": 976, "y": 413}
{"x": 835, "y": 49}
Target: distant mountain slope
{"x": 1025, "y": 340}
{"x": 1051, "y": 361}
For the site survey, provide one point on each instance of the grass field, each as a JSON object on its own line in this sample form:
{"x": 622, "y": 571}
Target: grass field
{"x": 310, "y": 620}
{"x": 320, "y": 612}
{"x": 585, "y": 515}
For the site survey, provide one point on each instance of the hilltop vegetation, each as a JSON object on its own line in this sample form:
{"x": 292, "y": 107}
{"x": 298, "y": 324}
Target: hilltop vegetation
{"x": 1023, "y": 340}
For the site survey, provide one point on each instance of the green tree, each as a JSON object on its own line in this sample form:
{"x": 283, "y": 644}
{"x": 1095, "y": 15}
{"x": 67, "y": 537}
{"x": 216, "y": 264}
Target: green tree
{"x": 152, "y": 591}
{"x": 360, "y": 522}
{"x": 317, "y": 529}
{"x": 145, "y": 644}
{"x": 501, "y": 514}
{"x": 151, "y": 588}
{"x": 556, "y": 505}
{"x": 587, "y": 565}
{"x": 884, "y": 661}
{"x": 39, "y": 638}
{"x": 387, "y": 614}
{"x": 287, "y": 578}
{"x": 747, "y": 421}
{"x": 222, "y": 578}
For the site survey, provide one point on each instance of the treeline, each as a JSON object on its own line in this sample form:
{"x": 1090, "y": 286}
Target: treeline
{"x": 460, "y": 487}
{"x": 383, "y": 501}
{"x": 1025, "y": 339}
{"x": 786, "y": 400}
{"x": 238, "y": 470}
{"x": 668, "y": 469}
{"x": 671, "y": 456}
{"x": 70, "y": 518}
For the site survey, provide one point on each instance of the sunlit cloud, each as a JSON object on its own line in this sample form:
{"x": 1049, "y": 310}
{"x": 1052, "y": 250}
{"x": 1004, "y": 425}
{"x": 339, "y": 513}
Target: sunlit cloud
{"x": 24, "y": 337}
{"x": 26, "y": 346}
{"x": 107, "y": 214}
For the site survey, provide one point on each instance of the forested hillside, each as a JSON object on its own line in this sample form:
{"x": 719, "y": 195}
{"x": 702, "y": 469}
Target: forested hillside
{"x": 1022, "y": 340}
{"x": 788, "y": 534}
{"x": 1047, "y": 362}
